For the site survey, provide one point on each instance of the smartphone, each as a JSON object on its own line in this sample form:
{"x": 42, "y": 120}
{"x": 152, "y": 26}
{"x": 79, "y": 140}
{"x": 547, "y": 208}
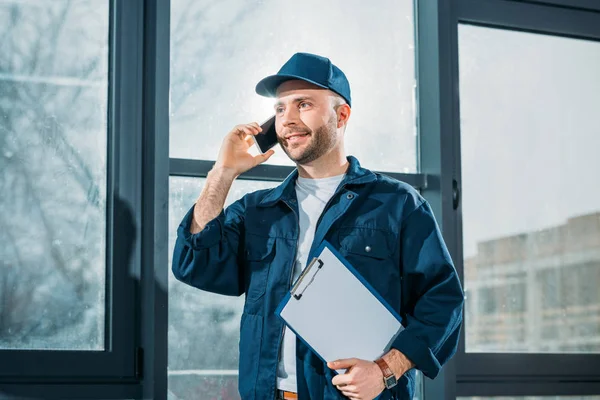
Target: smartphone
{"x": 268, "y": 137}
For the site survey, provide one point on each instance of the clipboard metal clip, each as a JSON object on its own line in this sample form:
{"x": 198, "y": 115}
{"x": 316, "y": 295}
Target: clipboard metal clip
{"x": 300, "y": 286}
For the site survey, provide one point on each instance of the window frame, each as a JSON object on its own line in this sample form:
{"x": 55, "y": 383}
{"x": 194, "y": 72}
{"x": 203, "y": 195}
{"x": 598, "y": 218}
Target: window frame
{"x": 116, "y": 371}
{"x": 436, "y": 153}
{"x": 517, "y": 374}
{"x": 276, "y": 173}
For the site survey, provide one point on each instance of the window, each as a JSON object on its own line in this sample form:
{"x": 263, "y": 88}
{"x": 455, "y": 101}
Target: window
{"x": 68, "y": 210}
{"x": 203, "y": 327}
{"x": 220, "y": 50}
{"x": 53, "y": 157}
{"x": 531, "y": 224}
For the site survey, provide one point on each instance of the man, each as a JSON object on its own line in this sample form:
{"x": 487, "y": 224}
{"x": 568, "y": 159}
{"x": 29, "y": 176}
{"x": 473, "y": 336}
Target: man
{"x": 260, "y": 244}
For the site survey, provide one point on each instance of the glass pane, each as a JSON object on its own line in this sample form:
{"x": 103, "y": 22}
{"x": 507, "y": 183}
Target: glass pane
{"x": 203, "y": 327}
{"x": 220, "y": 50}
{"x": 531, "y": 209}
{"x": 53, "y": 124}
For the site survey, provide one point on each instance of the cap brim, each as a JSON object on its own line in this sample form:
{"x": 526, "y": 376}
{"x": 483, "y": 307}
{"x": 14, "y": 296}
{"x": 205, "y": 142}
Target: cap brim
{"x": 268, "y": 86}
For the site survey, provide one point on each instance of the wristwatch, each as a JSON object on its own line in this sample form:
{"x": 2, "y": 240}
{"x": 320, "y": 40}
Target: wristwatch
{"x": 389, "y": 379}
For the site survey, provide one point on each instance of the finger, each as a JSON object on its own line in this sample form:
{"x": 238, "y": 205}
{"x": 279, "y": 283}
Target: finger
{"x": 261, "y": 158}
{"x": 348, "y": 389}
{"x": 342, "y": 380}
{"x": 242, "y": 131}
{"x": 256, "y": 125}
{"x": 253, "y": 129}
{"x": 350, "y": 395}
{"x": 345, "y": 363}
{"x": 249, "y": 140}
{"x": 238, "y": 132}
{"x": 248, "y": 130}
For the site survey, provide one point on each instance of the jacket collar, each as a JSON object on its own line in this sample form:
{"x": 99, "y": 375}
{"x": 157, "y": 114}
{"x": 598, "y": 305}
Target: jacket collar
{"x": 355, "y": 174}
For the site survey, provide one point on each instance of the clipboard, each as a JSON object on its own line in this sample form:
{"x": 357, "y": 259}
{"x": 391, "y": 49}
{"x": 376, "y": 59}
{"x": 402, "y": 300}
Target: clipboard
{"x": 337, "y": 313}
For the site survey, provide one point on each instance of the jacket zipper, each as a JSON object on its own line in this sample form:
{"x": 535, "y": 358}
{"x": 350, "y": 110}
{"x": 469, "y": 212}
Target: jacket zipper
{"x": 293, "y": 267}
{"x": 288, "y": 288}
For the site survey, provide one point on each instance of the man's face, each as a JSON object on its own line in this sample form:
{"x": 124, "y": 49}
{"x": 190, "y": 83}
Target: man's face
{"x": 306, "y": 121}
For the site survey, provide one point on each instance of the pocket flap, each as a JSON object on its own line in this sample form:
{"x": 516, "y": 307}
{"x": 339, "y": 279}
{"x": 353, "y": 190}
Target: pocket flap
{"x": 365, "y": 242}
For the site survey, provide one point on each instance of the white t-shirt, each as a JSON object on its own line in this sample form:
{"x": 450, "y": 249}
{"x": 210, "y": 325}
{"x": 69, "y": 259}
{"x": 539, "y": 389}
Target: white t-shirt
{"x": 313, "y": 195}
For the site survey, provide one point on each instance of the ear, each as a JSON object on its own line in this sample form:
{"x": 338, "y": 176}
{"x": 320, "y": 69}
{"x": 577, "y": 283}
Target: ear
{"x": 343, "y": 113}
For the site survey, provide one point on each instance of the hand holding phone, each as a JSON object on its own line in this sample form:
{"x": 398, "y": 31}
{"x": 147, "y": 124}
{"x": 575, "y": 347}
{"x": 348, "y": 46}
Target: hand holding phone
{"x": 266, "y": 139}
{"x": 233, "y": 154}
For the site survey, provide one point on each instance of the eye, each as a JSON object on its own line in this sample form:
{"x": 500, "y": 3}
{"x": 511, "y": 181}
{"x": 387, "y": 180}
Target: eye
{"x": 304, "y": 104}
{"x": 278, "y": 110}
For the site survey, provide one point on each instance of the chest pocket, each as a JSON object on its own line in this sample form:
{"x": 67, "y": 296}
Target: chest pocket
{"x": 365, "y": 242}
{"x": 370, "y": 252}
{"x": 260, "y": 253}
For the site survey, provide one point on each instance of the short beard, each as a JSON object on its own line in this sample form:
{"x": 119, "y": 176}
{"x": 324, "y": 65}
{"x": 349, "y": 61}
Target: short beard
{"x": 323, "y": 140}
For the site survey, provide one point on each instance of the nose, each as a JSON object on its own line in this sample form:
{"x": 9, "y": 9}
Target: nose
{"x": 290, "y": 116}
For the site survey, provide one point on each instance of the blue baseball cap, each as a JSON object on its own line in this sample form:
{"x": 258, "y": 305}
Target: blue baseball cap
{"x": 310, "y": 68}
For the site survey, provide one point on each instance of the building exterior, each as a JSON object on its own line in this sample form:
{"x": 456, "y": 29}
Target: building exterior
{"x": 536, "y": 292}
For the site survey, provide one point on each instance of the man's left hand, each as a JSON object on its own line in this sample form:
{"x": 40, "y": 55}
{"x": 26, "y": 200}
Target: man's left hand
{"x": 363, "y": 379}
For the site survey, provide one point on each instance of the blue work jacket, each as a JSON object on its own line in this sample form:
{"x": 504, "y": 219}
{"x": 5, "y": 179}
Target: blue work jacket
{"x": 382, "y": 226}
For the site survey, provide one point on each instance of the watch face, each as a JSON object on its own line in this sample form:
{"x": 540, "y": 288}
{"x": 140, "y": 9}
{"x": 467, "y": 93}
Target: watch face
{"x": 390, "y": 381}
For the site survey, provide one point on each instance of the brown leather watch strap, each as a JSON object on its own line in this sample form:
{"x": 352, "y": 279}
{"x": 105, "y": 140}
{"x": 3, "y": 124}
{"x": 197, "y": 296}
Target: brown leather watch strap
{"x": 385, "y": 368}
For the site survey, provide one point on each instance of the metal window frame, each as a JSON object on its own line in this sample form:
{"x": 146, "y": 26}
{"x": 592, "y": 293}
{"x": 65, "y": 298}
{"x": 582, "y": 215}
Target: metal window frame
{"x": 435, "y": 106}
{"x": 114, "y": 372}
{"x": 586, "y": 5}
{"x": 154, "y": 317}
{"x": 277, "y": 173}
{"x": 510, "y": 374}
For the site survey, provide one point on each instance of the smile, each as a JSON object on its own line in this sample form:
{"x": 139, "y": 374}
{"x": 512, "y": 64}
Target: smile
{"x": 297, "y": 138}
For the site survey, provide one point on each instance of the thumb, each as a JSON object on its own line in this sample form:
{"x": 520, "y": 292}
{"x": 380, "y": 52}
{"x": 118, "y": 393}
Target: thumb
{"x": 261, "y": 158}
{"x": 345, "y": 363}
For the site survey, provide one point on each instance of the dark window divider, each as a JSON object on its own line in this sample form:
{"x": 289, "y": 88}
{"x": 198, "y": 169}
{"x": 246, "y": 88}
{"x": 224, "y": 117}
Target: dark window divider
{"x": 590, "y": 5}
{"x": 529, "y": 17}
{"x": 277, "y": 173}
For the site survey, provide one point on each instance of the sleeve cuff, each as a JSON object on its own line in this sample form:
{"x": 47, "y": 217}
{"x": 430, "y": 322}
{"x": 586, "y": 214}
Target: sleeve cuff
{"x": 209, "y": 236}
{"x": 418, "y": 352}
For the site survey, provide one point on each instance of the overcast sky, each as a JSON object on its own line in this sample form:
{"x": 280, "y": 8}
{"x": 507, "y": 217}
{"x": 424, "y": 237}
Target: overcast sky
{"x": 529, "y": 131}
